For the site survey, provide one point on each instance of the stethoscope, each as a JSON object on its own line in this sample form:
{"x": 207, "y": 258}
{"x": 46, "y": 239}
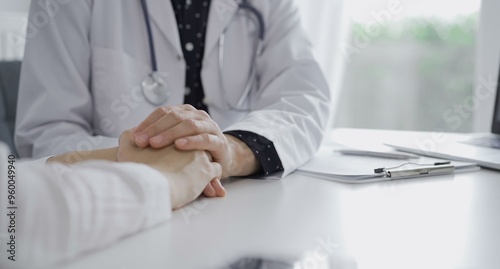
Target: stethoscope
{"x": 156, "y": 90}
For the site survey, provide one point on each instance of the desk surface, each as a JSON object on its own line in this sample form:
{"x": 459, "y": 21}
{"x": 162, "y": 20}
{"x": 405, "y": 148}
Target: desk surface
{"x": 450, "y": 221}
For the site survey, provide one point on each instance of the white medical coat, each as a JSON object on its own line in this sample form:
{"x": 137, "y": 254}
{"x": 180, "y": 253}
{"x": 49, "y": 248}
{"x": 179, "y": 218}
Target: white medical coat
{"x": 80, "y": 81}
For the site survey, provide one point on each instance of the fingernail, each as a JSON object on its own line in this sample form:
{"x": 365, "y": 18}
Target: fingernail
{"x": 181, "y": 142}
{"x": 156, "y": 140}
{"x": 142, "y": 139}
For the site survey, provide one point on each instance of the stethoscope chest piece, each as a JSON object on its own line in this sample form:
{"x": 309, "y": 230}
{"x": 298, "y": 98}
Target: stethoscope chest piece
{"x": 155, "y": 89}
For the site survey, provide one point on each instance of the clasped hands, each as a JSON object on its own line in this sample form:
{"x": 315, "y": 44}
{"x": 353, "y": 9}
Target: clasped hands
{"x": 185, "y": 145}
{"x": 184, "y": 128}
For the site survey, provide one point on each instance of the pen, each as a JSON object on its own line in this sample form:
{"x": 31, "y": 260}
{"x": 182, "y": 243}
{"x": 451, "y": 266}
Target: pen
{"x": 438, "y": 168}
{"x": 424, "y": 170}
{"x": 380, "y": 154}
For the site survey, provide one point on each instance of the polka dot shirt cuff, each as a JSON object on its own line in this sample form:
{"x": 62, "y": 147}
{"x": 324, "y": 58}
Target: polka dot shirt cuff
{"x": 263, "y": 149}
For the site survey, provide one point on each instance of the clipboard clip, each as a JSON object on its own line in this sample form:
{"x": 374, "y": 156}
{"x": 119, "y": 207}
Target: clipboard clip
{"x": 438, "y": 168}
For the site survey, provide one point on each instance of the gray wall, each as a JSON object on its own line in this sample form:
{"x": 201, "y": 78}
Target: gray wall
{"x": 488, "y": 61}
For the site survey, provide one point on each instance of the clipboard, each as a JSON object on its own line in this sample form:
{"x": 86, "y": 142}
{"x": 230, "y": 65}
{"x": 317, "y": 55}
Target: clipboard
{"x": 334, "y": 166}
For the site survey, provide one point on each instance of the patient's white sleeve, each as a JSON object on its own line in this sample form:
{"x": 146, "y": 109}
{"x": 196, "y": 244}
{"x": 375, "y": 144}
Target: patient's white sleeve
{"x": 66, "y": 210}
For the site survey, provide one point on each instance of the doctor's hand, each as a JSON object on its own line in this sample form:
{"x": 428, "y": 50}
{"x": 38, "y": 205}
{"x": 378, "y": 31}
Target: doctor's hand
{"x": 192, "y": 129}
{"x": 188, "y": 172}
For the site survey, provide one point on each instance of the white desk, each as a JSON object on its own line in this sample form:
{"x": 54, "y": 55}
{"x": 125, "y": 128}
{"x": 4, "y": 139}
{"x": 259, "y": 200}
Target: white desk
{"x": 450, "y": 221}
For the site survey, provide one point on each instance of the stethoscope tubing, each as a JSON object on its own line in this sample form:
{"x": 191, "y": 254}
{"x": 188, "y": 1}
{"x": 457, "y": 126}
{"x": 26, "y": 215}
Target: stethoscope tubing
{"x": 245, "y": 5}
{"x": 152, "y": 50}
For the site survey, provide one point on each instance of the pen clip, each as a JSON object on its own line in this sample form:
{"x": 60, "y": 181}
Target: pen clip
{"x": 420, "y": 170}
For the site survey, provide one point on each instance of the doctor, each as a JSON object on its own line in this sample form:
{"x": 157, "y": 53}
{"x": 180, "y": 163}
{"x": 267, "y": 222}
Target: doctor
{"x": 97, "y": 68}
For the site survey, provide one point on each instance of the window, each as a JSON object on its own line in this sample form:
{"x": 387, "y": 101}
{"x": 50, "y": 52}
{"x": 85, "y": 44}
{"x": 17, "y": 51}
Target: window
{"x": 410, "y": 64}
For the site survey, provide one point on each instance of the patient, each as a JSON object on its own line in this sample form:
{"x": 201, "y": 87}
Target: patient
{"x": 85, "y": 200}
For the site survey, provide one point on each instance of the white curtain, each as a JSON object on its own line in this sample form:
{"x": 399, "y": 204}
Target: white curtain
{"x": 328, "y": 24}
{"x": 12, "y": 32}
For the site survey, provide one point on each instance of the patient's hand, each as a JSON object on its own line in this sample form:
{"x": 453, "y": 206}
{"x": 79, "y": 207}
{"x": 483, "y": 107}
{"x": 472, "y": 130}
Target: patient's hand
{"x": 188, "y": 172}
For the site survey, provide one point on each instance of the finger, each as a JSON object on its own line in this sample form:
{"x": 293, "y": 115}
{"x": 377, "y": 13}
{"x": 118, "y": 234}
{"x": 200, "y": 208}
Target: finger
{"x": 126, "y": 138}
{"x": 169, "y": 119}
{"x": 205, "y": 141}
{"x": 174, "y": 117}
{"x": 171, "y": 116}
{"x": 186, "y": 128}
{"x": 152, "y": 118}
{"x": 214, "y": 144}
{"x": 164, "y": 118}
{"x": 219, "y": 189}
{"x": 209, "y": 191}
{"x": 125, "y": 144}
{"x": 209, "y": 156}
{"x": 188, "y": 107}
{"x": 216, "y": 172}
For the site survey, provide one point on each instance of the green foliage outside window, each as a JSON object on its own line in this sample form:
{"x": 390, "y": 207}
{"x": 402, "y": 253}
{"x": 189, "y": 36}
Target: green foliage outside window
{"x": 410, "y": 75}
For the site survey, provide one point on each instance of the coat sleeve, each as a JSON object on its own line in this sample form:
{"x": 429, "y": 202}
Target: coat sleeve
{"x": 54, "y": 112}
{"x": 66, "y": 210}
{"x": 293, "y": 104}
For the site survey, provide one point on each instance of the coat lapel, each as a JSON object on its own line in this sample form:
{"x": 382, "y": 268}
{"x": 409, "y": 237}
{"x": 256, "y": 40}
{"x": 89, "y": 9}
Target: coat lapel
{"x": 221, "y": 14}
{"x": 162, "y": 14}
